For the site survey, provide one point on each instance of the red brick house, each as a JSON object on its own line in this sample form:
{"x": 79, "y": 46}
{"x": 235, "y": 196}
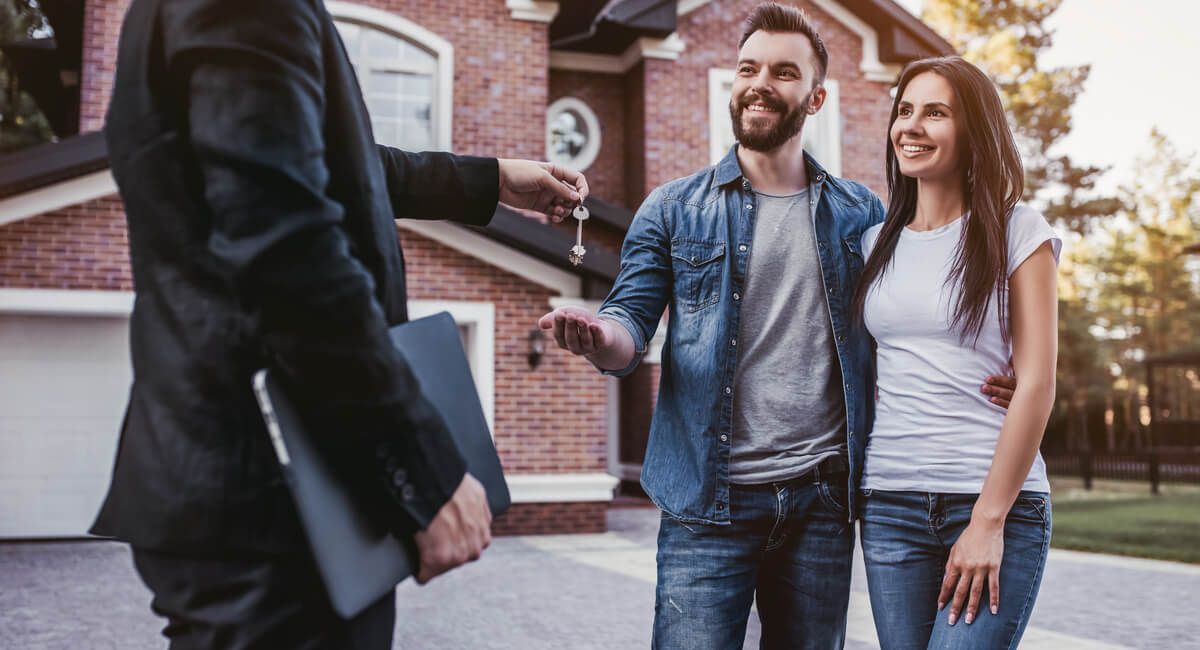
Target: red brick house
{"x": 632, "y": 91}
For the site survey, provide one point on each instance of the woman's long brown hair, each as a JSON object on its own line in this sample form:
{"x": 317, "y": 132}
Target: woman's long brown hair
{"x": 992, "y": 178}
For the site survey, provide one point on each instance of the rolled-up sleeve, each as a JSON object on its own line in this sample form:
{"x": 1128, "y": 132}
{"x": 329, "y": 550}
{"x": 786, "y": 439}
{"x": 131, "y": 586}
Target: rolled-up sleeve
{"x": 644, "y": 283}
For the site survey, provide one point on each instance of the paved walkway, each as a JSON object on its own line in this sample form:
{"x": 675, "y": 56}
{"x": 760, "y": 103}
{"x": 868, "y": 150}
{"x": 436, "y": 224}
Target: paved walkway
{"x": 576, "y": 592}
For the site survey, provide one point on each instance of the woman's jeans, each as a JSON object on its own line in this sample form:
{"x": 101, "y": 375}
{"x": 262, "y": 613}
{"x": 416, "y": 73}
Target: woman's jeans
{"x": 906, "y": 539}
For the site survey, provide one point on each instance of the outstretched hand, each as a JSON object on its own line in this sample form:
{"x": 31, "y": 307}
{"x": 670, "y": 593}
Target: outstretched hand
{"x": 578, "y": 330}
{"x": 540, "y": 190}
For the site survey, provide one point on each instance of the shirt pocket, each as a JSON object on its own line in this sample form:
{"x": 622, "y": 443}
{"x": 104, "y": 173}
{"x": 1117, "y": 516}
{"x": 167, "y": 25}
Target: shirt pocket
{"x": 698, "y": 271}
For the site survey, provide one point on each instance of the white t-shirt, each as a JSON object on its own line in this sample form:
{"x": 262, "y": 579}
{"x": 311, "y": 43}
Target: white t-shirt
{"x": 934, "y": 430}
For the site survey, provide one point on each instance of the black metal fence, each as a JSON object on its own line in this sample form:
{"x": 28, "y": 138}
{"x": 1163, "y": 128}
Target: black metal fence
{"x": 1154, "y": 466}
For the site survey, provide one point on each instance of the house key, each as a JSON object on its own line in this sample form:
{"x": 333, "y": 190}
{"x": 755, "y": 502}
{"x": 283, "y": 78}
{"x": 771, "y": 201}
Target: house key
{"x": 577, "y": 251}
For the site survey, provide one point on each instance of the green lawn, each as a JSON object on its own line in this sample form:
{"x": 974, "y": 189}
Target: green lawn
{"x": 1124, "y": 519}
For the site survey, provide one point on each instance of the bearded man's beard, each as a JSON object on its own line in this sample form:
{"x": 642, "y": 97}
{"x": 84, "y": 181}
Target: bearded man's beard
{"x": 762, "y": 138}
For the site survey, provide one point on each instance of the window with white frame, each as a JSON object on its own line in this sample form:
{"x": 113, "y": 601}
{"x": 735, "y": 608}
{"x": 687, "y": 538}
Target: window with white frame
{"x": 822, "y": 132}
{"x": 405, "y": 73}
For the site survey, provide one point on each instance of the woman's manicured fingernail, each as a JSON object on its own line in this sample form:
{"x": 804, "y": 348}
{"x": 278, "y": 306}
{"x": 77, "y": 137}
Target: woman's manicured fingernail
{"x": 970, "y": 618}
{"x": 995, "y": 610}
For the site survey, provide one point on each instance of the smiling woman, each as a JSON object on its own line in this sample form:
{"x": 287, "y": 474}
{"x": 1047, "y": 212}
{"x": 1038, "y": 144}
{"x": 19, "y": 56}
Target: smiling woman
{"x": 959, "y": 285}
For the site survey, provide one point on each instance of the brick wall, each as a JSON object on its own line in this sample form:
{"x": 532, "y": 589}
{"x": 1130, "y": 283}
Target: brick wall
{"x": 552, "y": 518}
{"x": 604, "y": 94}
{"x": 79, "y": 247}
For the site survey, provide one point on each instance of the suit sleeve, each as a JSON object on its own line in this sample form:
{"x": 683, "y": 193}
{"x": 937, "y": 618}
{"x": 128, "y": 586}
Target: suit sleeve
{"x": 250, "y": 75}
{"x": 437, "y": 185}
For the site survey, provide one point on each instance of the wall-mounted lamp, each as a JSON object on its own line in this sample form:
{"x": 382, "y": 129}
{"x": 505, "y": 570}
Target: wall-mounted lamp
{"x": 537, "y": 348}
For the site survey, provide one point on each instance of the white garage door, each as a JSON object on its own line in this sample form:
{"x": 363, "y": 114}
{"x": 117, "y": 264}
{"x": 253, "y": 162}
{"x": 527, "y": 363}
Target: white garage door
{"x": 64, "y": 381}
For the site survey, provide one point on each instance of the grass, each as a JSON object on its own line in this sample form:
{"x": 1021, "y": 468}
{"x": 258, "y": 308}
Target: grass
{"x": 1123, "y": 518}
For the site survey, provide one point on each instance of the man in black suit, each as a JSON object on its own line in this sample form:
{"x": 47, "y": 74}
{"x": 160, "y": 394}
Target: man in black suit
{"x": 261, "y": 232}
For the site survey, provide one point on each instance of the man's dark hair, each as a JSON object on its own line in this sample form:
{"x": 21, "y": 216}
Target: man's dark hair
{"x": 775, "y": 17}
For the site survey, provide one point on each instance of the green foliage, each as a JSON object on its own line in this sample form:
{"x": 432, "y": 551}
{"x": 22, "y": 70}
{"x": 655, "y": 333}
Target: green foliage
{"x": 22, "y": 123}
{"x": 1165, "y": 527}
{"x": 1005, "y": 38}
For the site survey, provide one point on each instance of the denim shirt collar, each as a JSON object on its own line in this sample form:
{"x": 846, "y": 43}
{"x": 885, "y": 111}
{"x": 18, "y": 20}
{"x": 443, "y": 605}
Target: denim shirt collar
{"x": 730, "y": 169}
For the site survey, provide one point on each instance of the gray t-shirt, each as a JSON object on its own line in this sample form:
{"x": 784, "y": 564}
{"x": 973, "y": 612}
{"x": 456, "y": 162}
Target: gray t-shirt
{"x": 789, "y": 412}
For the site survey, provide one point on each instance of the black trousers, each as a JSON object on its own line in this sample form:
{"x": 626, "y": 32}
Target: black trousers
{"x": 253, "y": 601}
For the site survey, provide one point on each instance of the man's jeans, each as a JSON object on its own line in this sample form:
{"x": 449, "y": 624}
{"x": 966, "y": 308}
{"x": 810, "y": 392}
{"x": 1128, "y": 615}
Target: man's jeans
{"x": 789, "y": 543}
{"x": 906, "y": 538}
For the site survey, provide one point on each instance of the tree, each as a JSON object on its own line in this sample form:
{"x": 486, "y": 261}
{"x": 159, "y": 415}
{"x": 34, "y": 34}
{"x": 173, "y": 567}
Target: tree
{"x": 1005, "y": 39}
{"x": 22, "y": 123}
{"x": 1142, "y": 291}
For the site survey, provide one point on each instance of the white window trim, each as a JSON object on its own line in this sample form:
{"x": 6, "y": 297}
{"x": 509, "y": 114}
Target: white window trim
{"x": 537, "y": 11}
{"x": 479, "y": 318}
{"x": 591, "y": 148}
{"x": 62, "y": 302}
{"x": 441, "y": 48}
{"x": 718, "y": 118}
{"x": 561, "y": 488}
{"x": 718, "y": 109}
{"x": 57, "y": 196}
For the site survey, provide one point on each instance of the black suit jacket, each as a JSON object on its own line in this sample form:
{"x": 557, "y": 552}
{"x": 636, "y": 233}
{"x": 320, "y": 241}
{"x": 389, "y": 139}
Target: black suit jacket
{"x": 261, "y": 232}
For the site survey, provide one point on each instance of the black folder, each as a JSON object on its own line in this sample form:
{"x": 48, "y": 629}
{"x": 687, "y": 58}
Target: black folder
{"x": 358, "y": 559}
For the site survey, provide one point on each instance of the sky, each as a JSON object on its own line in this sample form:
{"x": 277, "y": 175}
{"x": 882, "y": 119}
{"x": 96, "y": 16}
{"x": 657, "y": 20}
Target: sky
{"x": 1144, "y": 55}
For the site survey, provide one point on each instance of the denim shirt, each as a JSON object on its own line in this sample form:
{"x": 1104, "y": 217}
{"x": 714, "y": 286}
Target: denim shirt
{"x": 687, "y": 250}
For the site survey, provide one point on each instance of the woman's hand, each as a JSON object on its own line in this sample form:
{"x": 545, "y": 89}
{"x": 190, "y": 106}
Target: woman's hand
{"x": 974, "y": 561}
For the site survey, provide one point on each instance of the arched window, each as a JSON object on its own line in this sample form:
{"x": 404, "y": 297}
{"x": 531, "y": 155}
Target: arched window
{"x": 405, "y": 72}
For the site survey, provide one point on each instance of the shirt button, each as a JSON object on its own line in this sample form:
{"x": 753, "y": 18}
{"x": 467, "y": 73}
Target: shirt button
{"x": 737, "y": 296}
{"x": 742, "y": 248}
{"x": 831, "y": 290}
{"x": 842, "y": 339}
{"x": 720, "y": 505}
{"x": 733, "y": 342}
{"x": 408, "y": 492}
{"x": 724, "y": 438}
{"x": 399, "y": 477}
{"x": 728, "y": 390}
{"x": 749, "y": 206}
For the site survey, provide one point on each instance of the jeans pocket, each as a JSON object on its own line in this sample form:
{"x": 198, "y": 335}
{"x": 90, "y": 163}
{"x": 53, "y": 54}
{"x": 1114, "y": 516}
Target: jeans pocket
{"x": 1030, "y": 507}
{"x": 835, "y": 495}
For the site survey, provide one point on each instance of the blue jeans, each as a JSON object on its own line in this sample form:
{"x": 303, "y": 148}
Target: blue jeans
{"x": 789, "y": 544}
{"x": 906, "y": 539}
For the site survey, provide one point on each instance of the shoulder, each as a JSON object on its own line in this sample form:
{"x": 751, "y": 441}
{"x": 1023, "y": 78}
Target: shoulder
{"x": 1028, "y": 230}
{"x": 696, "y": 188}
{"x": 851, "y": 193}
